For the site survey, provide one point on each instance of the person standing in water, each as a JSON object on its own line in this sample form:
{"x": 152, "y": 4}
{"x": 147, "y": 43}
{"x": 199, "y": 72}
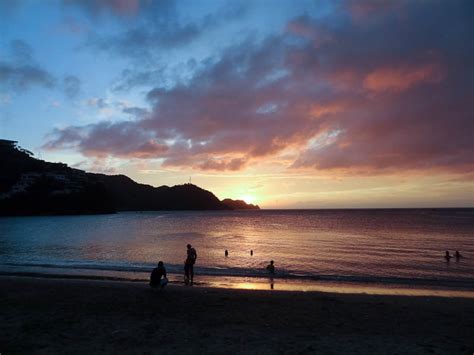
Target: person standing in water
{"x": 447, "y": 256}
{"x": 271, "y": 270}
{"x": 271, "y": 267}
{"x": 458, "y": 255}
{"x": 226, "y": 253}
{"x": 251, "y": 252}
{"x": 189, "y": 264}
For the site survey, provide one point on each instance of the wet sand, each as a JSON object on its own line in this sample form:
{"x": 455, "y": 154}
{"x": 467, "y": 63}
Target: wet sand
{"x": 83, "y": 316}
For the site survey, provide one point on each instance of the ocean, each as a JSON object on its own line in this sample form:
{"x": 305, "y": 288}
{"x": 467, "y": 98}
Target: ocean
{"x": 392, "y": 249}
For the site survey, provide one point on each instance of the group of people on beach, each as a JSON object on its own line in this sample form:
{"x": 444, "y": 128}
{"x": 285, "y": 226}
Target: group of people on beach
{"x": 158, "y": 279}
{"x": 448, "y": 256}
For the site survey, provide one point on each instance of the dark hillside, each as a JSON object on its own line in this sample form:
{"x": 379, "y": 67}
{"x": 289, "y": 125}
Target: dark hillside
{"x": 30, "y": 186}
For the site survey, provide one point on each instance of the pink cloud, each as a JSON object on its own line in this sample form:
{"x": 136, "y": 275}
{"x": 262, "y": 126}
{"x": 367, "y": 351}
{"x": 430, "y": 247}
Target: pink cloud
{"x": 365, "y": 11}
{"x": 145, "y": 150}
{"x": 303, "y": 27}
{"x": 402, "y": 78}
{"x": 319, "y": 109}
{"x": 319, "y": 100}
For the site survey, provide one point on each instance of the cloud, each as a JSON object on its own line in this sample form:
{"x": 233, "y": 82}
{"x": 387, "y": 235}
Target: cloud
{"x": 98, "y": 102}
{"x": 96, "y": 8}
{"x": 97, "y": 165}
{"x": 20, "y": 72}
{"x": 135, "y": 111}
{"x": 21, "y": 52}
{"x": 362, "y": 10}
{"x": 159, "y": 28}
{"x": 24, "y": 76}
{"x": 95, "y": 141}
{"x": 400, "y": 79}
{"x": 382, "y": 94}
{"x": 72, "y": 86}
{"x": 129, "y": 79}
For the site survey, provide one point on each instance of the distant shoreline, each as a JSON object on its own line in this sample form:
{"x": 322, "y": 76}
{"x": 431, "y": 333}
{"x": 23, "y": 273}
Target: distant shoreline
{"x": 244, "y": 210}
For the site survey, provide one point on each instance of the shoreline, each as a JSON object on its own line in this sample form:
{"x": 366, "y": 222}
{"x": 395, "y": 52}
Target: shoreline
{"x": 75, "y": 316}
{"x": 272, "y": 284}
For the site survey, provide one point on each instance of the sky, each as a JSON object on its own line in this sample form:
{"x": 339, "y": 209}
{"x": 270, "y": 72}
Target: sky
{"x": 287, "y": 104}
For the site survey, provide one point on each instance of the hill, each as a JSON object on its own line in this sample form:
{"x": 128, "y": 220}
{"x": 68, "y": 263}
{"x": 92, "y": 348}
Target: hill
{"x": 239, "y": 205}
{"x": 29, "y": 186}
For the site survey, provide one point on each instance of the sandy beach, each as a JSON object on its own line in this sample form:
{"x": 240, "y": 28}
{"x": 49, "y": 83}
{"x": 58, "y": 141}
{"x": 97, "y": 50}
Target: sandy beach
{"x": 83, "y": 316}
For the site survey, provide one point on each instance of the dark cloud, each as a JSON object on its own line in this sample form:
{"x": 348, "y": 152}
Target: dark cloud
{"x": 135, "y": 111}
{"x": 20, "y": 72}
{"x": 24, "y": 76}
{"x": 374, "y": 90}
{"x": 164, "y": 76}
{"x": 72, "y": 86}
{"x": 95, "y": 140}
{"x": 21, "y": 52}
{"x": 160, "y": 28}
{"x": 136, "y": 78}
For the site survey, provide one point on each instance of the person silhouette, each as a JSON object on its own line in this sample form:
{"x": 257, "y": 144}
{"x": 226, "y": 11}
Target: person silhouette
{"x": 226, "y": 253}
{"x": 251, "y": 252}
{"x": 189, "y": 265}
{"x": 458, "y": 255}
{"x": 271, "y": 267}
{"x": 158, "y": 277}
{"x": 447, "y": 256}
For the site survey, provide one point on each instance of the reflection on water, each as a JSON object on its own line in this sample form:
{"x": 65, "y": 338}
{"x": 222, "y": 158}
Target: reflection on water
{"x": 373, "y": 245}
{"x": 348, "y": 288}
{"x": 247, "y": 285}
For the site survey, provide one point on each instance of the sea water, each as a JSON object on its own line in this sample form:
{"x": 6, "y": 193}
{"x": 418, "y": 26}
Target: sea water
{"x": 310, "y": 248}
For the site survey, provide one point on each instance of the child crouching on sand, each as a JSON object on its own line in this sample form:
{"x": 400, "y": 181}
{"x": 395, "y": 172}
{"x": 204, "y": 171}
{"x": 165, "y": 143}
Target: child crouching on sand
{"x": 158, "y": 277}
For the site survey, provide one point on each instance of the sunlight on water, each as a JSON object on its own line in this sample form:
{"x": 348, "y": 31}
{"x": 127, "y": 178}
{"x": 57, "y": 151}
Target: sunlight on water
{"x": 285, "y": 285}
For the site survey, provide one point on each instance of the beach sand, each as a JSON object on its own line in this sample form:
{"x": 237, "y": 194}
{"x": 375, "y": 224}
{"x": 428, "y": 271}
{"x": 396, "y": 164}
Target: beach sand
{"x": 83, "y": 316}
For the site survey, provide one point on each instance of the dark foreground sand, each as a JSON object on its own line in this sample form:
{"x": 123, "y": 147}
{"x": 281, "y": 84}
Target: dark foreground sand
{"x": 75, "y": 316}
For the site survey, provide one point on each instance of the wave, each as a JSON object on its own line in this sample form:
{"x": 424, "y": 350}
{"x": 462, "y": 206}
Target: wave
{"x": 144, "y": 270}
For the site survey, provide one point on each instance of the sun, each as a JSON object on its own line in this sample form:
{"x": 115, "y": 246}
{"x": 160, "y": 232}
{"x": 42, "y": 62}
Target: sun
{"x": 248, "y": 198}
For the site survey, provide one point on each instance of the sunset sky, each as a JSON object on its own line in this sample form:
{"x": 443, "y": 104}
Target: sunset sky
{"x": 287, "y": 104}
